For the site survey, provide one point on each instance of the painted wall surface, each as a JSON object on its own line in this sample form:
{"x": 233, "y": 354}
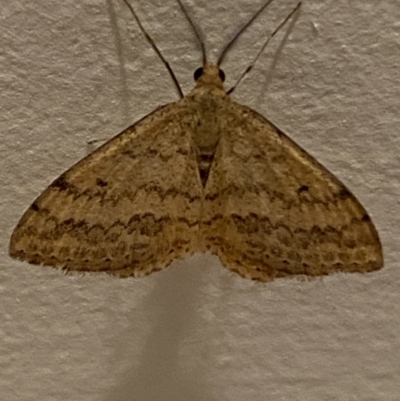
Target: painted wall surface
{"x": 73, "y": 71}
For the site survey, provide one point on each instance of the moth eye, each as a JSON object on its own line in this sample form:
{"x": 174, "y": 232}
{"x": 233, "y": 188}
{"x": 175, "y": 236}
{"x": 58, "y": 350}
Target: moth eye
{"x": 198, "y": 73}
{"x": 221, "y": 75}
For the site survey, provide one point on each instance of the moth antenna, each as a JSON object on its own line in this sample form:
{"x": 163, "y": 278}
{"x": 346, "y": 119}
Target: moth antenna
{"x": 153, "y": 45}
{"x": 196, "y": 31}
{"x": 250, "y": 67}
{"x": 241, "y": 30}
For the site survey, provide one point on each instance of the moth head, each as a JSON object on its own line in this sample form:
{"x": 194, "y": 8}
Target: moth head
{"x": 210, "y": 75}
{"x": 200, "y": 71}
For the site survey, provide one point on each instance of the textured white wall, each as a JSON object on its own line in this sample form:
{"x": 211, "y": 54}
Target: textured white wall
{"x": 71, "y": 71}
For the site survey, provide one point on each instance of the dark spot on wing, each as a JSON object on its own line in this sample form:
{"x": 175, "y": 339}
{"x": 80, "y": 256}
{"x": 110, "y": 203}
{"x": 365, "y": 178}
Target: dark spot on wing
{"x": 344, "y": 194}
{"x": 303, "y": 188}
{"x": 365, "y": 218}
{"x": 61, "y": 183}
{"x": 101, "y": 183}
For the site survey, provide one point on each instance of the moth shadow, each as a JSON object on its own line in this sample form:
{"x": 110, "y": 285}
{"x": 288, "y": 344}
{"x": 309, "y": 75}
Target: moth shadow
{"x": 268, "y": 76}
{"x": 165, "y": 371}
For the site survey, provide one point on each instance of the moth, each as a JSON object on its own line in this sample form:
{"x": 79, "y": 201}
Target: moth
{"x": 201, "y": 174}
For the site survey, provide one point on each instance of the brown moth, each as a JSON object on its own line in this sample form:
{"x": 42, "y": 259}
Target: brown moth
{"x": 201, "y": 174}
